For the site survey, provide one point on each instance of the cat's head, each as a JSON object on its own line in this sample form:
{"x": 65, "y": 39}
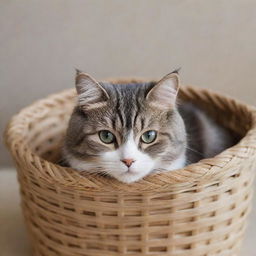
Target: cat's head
{"x": 126, "y": 130}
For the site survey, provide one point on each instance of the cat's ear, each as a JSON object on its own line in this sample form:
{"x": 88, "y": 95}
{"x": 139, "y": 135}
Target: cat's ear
{"x": 91, "y": 94}
{"x": 164, "y": 93}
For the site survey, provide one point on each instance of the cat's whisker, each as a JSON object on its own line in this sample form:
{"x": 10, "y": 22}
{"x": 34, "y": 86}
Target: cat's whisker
{"x": 99, "y": 173}
{"x": 195, "y": 151}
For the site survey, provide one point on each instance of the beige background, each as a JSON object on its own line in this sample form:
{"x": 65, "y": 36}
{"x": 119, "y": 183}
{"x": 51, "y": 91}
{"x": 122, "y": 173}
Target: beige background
{"x": 42, "y": 41}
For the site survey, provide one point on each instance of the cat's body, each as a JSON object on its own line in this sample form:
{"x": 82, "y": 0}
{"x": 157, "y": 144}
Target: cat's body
{"x": 130, "y": 130}
{"x": 205, "y": 138}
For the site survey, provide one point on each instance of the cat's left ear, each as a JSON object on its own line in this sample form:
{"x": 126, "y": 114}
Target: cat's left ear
{"x": 91, "y": 94}
{"x": 163, "y": 95}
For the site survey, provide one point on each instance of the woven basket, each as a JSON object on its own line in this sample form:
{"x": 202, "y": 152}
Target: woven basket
{"x": 200, "y": 210}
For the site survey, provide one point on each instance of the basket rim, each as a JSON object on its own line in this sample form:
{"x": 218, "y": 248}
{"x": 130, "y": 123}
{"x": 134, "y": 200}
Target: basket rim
{"x": 204, "y": 171}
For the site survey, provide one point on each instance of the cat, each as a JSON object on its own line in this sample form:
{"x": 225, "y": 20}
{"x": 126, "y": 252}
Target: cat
{"x": 128, "y": 131}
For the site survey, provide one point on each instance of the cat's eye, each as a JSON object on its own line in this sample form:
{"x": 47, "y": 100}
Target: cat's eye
{"x": 149, "y": 136}
{"x": 106, "y": 136}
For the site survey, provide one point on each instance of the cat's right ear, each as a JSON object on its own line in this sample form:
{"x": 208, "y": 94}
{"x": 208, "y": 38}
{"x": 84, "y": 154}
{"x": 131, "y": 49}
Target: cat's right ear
{"x": 164, "y": 93}
{"x": 91, "y": 94}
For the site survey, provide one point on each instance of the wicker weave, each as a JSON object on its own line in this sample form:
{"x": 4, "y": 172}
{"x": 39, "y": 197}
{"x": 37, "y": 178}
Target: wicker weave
{"x": 200, "y": 210}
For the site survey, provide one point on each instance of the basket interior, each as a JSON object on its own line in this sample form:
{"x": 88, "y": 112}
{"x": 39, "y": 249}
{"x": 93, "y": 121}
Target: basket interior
{"x": 48, "y": 144}
{"x": 55, "y": 120}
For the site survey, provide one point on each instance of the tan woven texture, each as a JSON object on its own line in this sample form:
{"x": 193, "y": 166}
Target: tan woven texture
{"x": 200, "y": 210}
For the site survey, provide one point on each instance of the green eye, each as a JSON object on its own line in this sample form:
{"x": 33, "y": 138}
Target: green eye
{"x": 148, "y": 137}
{"x": 106, "y": 136}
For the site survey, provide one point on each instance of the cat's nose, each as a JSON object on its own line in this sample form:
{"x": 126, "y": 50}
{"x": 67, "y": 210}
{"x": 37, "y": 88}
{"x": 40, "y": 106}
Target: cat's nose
{"x": 128, "y": 162}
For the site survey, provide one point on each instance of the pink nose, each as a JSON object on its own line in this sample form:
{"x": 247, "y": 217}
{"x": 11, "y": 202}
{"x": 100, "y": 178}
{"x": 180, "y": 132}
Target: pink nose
{"x": 128, "y": 162}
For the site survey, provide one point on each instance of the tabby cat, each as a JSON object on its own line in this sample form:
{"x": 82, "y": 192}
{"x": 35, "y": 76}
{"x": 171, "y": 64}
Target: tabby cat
{"x": 128, "y": 131}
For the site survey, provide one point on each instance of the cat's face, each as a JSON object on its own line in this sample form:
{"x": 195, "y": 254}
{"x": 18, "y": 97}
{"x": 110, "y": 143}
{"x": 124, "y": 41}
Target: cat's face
{"x": 126, "y": 130}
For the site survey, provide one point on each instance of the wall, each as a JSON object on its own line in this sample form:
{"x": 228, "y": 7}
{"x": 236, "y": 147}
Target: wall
{"x": 42, "y": 41}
